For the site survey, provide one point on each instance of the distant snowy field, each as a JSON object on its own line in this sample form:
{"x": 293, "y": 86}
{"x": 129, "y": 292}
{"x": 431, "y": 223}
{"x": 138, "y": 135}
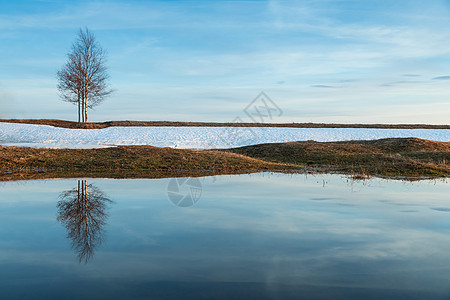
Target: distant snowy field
{"x": 12, "y": 134}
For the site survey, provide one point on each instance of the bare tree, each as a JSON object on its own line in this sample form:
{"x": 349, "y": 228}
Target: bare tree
{"x": 82, "y": 211}
{"x": 83, "y": 80}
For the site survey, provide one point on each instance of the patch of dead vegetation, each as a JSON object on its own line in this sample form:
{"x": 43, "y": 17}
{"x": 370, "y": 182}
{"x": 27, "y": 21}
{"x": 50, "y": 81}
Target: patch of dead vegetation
{"x": 411, "y": 157}
{"x": 100, "y": 125}
{"x": 396, "y": 158}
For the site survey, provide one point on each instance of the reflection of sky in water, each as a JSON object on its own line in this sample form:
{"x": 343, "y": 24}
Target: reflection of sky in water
{"x": 270, "y": 234}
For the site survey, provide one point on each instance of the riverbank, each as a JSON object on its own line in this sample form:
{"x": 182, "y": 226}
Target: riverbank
{"x": 409, "y": 158}
{"x": 393, "y": 157}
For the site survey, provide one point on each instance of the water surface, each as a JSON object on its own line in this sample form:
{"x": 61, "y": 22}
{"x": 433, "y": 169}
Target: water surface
{"x": 257, "y": 236}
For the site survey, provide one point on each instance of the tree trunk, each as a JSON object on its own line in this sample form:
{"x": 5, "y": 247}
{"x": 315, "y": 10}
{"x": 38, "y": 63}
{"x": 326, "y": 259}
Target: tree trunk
{"x": 86, "y": 94}
{"x": 85, "y": 110}
{"x": 79, "y": 110}
{"x": 82, "y": 109}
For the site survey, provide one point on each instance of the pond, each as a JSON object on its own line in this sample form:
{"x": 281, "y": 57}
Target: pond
{"x": 256, "y": 236}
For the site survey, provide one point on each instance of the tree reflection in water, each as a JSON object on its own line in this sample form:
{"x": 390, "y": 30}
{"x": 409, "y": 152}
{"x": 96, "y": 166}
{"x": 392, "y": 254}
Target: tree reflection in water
{"x": 83, "y": 212}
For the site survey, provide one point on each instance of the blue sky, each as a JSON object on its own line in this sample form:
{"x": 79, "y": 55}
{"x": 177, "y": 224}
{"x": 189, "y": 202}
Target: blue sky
{"x": 319, "y": 61}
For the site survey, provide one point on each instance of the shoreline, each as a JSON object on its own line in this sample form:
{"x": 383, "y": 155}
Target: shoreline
{"x": 396, "y": 158}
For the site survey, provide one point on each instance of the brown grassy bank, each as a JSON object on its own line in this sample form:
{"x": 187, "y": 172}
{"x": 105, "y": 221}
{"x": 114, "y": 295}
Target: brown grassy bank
{"x": 408, "y": 157}
{"x": 124, "y": 162}
{"x": 99, "y": 125}
{"x": 396, "y": 158}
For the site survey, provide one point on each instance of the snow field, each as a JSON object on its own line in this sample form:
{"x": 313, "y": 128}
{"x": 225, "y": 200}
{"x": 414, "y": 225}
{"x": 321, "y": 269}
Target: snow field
{"x": 12, "y": 134}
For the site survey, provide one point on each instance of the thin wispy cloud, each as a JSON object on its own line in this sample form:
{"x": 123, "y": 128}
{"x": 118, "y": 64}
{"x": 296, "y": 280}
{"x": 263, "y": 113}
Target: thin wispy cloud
{"x": 442, "y": 77}
{"x": 401, "y": 82}
{"x": 323, "y": 86}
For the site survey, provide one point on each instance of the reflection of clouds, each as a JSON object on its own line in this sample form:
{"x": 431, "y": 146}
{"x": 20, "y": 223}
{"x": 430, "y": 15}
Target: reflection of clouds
{"x": 364, "y": 228}
{"x": 444, "y": 209}
{"x": 266, "y": 229}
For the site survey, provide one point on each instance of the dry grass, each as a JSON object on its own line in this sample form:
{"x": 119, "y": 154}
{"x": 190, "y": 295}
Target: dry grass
{"x": 396, "y": 158}
{"x": 410, "y": 157}
{"x": 99, "y": 125}
{"x": 135, "y": 161}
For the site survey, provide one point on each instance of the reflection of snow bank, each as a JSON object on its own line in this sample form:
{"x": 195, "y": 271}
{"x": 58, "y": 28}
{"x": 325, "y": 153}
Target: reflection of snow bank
{"x": 12, "y": 134}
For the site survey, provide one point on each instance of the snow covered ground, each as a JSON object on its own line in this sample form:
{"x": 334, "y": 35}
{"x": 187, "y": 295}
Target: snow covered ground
{"x": 193, "y": 137}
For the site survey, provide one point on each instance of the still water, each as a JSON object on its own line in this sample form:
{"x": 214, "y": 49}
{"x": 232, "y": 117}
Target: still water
{"x": 258, "y": 236}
